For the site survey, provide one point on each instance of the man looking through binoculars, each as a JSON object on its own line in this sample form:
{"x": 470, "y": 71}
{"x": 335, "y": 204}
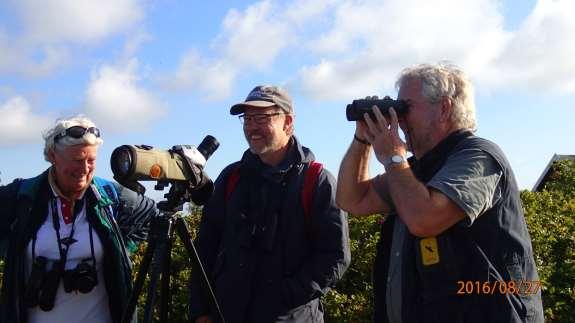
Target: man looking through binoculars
{"x": 453, "y": 209}
{"x": 271, "y": 251}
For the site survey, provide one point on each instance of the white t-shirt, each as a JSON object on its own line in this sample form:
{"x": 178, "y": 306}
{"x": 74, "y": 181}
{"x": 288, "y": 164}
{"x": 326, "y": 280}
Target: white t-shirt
{"x": 71, "y": 307}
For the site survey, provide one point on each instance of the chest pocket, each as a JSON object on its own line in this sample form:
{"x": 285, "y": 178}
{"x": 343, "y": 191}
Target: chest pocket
{"x": 438, "y": 265}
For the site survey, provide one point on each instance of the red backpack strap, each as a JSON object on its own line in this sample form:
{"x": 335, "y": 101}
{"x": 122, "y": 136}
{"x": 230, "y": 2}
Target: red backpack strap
{"x": 232, "y": 181}
{"x": 309, "y": 184}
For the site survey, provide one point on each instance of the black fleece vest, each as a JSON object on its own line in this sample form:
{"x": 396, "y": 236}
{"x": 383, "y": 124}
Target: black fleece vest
{"x": 496, "y": 247}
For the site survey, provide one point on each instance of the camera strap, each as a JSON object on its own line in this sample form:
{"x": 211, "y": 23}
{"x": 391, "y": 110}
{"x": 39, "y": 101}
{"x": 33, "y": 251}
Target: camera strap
{"x": 68, "y": 240}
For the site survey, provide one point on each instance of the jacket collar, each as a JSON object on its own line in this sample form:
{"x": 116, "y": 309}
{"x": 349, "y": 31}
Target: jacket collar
{"x": 425, "y": 167}
{"x": 295, "y": 156}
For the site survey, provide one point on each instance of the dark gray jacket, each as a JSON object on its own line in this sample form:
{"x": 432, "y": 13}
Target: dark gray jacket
{"x": 265, "y": 262}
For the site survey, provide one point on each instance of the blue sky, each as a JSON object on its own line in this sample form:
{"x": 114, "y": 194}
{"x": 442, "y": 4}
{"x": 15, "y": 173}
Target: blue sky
{"x": 166, "y": 72}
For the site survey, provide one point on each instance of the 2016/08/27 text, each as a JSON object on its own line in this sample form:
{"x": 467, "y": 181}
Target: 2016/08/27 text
{"x": 520, "y": 287}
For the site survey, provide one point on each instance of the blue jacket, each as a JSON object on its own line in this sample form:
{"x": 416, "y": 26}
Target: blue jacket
{"x": 23, "y": 209}
{"x": 265, "y": 263}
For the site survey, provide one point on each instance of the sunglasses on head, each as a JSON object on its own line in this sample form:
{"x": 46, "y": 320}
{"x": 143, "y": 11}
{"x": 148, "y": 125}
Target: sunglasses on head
{"x": 77, "y": 132}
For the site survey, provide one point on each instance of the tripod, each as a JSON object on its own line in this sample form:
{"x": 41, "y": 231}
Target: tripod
{"x": 158, "y": 255}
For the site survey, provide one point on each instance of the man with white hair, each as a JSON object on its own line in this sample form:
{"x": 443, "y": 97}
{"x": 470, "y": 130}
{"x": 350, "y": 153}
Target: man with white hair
{"x": 454, "y": 245}
{"x": 66, "y": 235}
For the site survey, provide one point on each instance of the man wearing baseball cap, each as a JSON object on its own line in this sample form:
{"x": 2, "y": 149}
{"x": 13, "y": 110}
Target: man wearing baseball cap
{"x": 271, "y": 238}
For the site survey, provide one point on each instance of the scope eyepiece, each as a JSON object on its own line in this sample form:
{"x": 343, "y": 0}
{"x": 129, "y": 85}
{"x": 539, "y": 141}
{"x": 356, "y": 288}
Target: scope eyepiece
{"x": 208, "y": 146}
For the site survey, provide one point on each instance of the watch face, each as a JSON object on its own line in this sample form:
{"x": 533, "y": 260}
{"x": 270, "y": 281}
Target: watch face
{"x": 397, "y": 159}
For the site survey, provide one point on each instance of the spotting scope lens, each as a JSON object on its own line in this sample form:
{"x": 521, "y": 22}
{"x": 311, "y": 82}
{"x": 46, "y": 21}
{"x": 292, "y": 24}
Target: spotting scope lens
{"x": 122, "y": 161}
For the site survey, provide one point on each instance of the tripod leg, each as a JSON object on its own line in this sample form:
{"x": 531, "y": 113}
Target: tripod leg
{"x": 159, "y": 254}
{"x": 165, "y": 284}
{"x": 139, "y": 283}
{"x": 186, "y": 238}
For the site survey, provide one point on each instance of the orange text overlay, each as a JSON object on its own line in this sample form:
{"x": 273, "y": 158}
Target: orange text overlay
{"x": 519, "y": 287}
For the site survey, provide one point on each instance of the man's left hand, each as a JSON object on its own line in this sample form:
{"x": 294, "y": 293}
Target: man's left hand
{"x": 384, "y": 135}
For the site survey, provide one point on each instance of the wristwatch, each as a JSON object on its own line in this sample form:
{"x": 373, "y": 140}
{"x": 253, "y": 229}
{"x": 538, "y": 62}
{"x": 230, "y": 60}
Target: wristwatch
{"x": 394, "y": 160}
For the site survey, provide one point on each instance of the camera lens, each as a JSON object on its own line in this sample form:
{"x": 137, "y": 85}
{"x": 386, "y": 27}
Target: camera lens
{"x": 83, "y": 278}
{"x": 86, "y": 277}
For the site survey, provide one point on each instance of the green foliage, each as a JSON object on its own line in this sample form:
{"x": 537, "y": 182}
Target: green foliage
{"x": 549, "y": 215}
{"x": 351, "y": 300}
{"x": 550, "y": 218}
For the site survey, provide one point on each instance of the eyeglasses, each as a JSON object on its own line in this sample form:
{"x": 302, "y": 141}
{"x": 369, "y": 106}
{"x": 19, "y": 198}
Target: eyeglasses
{"x": 260, "y": 118}
{"x": 77, "y": 132}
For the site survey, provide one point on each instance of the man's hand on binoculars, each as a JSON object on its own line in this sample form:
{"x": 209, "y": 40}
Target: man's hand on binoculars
{"x": 384, "y": 135}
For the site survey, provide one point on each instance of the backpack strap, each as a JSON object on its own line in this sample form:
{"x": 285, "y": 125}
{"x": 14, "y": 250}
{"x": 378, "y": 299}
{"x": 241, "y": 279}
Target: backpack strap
{"x": 232, "y": 181}
{"x": 307, "y": 193}
{"x": 107, "y": 191}
{"x": 309, "y": 184}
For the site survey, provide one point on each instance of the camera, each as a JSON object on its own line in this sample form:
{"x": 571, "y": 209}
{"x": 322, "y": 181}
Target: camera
{"x": 358, "y": 108}
{"x": 83, "y": 278}
{"x": 35, "y": 281}
{"x": 47, "y": 294}
{"x": 182, "y": 163}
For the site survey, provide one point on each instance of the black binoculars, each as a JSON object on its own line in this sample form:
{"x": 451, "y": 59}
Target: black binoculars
{"x": 358, "y": 108}
{"x": 43, "y": 284}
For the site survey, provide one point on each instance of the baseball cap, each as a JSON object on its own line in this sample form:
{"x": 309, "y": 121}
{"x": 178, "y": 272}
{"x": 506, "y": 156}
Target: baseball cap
{"x": 263, "y": 96}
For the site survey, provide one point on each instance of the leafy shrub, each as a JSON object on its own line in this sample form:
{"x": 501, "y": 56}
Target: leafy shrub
{"x": 550, "y": 218}
{"x": 351, "y": 300}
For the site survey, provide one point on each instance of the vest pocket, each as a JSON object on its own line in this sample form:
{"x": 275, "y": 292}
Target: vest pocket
{"x": 522, "y": 301}
{"x": 437, "y": 266}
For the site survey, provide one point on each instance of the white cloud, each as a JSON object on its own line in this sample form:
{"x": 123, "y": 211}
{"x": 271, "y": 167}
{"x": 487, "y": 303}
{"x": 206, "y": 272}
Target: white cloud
{"x": 15, "y": 57}
{"x": 387, "y": 36}
{"x": 76, "y": 21}
{"x": 255, "y": 37}
{"x": 540, "y": 55}
{"x": 299, "y": 12}
{"x": 116, "y": 101}
{"x": 358, "y": 47}
{"x": 44, "y": 33}
{"x": 19, "y": 124}
{"x": 370, "y": 42}
{"x": 214, "y": 78}
{"x": 134, "y": 42}
{"x": 249, "y": 39}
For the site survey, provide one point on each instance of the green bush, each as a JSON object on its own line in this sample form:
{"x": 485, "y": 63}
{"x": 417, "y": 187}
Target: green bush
{"x": 550, "y": 218}
{"x": 351, "y": 300}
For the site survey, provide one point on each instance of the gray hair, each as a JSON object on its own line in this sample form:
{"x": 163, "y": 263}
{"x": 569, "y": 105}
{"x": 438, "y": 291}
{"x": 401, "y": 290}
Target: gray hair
{"x": 60, "y": 126}
{"x": 445, "y": 80}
